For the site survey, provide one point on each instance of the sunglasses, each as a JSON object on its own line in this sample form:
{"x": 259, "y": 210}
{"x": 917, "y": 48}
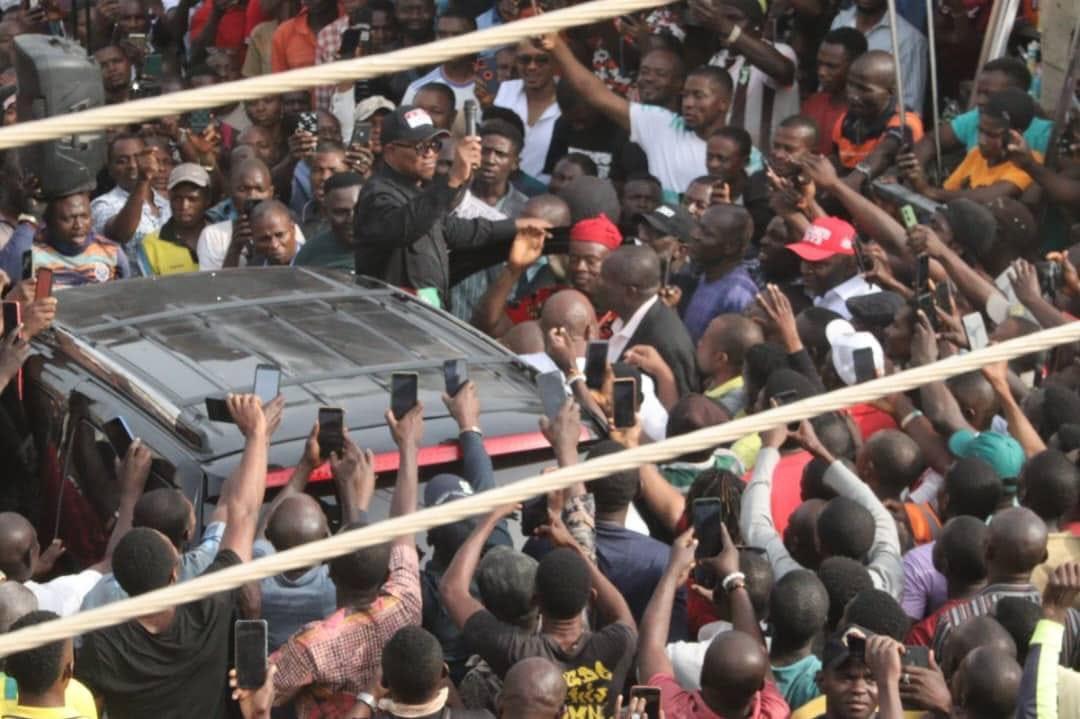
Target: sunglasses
{"x": 538, "y": 60}
{"x": 423, "y": 147}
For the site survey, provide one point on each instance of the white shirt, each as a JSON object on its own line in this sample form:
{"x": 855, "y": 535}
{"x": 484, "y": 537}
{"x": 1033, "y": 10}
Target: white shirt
{"x": 64, "y": 595}
{"x": 914, "y": 58}
{"x": 676, "y": 155}
{"x": 785, "y": 101}
{"x": 108, "y": 206}
{"x": 461, "y": 92}
{"x": 622, "y": 332}
{"x": 511, "y": 95}
{"x": 214, "y": 243}
{"x": 653, "y": 415}
{"x": 836, "y": 298}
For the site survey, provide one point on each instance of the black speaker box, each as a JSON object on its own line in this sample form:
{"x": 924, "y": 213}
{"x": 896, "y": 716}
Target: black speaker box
{"x": 56, "y": 77}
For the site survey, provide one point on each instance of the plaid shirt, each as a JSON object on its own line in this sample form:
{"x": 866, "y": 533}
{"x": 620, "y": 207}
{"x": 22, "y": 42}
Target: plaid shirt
{"x": 327, "y": 45}
{"x": 326, "y": 663}
{"x": 983, "y": 603}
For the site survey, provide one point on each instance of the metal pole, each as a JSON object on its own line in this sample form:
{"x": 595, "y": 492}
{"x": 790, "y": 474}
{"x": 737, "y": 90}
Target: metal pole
{"x": 936, "y": 108}
{"x": 899, "y": 72}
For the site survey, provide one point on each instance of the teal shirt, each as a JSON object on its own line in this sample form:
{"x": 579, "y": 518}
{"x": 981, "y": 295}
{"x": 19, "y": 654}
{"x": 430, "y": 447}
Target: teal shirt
{"x": 966, "y": 129}
{"x": 323, "y": 250}
{"x": 798, "y": 681}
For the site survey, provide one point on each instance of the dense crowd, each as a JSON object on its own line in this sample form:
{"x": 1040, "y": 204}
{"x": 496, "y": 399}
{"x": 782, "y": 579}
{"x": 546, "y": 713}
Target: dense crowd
{"x": 733, "y": 204}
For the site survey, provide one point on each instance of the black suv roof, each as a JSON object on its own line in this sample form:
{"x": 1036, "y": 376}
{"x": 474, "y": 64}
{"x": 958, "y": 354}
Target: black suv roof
{"x": 167, "y": 343}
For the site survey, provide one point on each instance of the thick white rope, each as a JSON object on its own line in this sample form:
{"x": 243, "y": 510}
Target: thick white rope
{"x": 483, "y": 503}
{"x": 362, "y": 68}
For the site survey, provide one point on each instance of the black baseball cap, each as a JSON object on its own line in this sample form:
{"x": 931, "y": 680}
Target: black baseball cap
{"x": 409, "y": 123}
{"x": 670, "y": 219}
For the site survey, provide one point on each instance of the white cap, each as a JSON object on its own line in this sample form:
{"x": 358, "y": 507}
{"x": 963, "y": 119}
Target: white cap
{"x": 844, "y": 340}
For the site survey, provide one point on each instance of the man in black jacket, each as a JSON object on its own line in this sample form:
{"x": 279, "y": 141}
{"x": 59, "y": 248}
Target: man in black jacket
{"x": 405, "y": 233}
{"x": 629, "y": 283}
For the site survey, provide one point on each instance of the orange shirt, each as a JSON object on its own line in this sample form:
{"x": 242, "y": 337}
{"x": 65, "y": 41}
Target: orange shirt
{"x": 852, "y": 153}
{"x": 974, "y": 171}
{"x": 293, "y": 44}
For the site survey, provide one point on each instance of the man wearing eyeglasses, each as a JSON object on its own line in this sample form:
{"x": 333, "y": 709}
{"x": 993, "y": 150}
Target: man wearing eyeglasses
{"x": 533, "y": 99}
{"x": 405, "y": 231}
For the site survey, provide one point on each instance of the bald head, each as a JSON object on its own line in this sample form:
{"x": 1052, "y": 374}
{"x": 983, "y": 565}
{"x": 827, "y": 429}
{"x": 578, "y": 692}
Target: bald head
{"x": 976, "y": 398}
{"x": 732, "y": 335}
{"x": 248, "y": 168}
{"x": 569, "y": 309}
{"x": 1017, "y": 544}
{"x": 972, "y": 634}
{"x": 548, "y": 207}
{"x": 533, "y": 689}
{"x": 987, "y": 684}
{"x": 733, "y": 671}
{"x": 728, "y": 220}
{"x": 270, "y": 208}
{"x": 876, "y": 66}
{"x": 635, "y": 265}
{"x": 16, "y": 601}
{"x": 18, "y": 546}
{"x": 297, "y": 520}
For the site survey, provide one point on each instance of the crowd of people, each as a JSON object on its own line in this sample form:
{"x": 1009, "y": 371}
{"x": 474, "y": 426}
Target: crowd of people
{"x": 713, "y": 189}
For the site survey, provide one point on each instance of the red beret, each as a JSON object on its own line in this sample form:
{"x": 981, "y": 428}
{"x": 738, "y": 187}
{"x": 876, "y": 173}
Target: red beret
{"x": 597, "y": 229}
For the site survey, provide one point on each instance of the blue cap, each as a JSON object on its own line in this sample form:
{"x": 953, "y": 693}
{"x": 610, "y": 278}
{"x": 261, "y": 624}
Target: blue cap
{"x": 444, "y": 488}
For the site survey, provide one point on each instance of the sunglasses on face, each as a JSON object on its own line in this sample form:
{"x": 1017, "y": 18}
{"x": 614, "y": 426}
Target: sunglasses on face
{"x": 421, "y": 148}
{"x": 538, "y": 60}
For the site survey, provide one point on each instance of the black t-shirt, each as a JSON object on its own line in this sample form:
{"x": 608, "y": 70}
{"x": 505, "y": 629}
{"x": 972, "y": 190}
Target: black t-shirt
{"x": 180, "y": 673}
{"x": 595, "y": 669}
{"x": 607, "y": 144}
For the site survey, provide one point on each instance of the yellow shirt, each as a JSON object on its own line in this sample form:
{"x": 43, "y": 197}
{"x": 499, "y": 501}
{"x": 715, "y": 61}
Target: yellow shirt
{"x": 79, "y": 703}
{"x": 159, "y": 256}
{"x": 975, "y": 172}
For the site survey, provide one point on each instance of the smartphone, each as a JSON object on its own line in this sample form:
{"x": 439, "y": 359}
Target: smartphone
{"x": 152, "y": 66}
{"x": 218, "y": 411}
{"x": 267, "y": 382}
{"x": 651, "y": 695}
{"x": 353, "y": 38}
{"x": 12, "y": 317}
{"x": 916, "y": 657}
{"x": 1050, "y": 276}
{"x": 552, "y": 393}
{"x": 44, "y": 284}
{"x": 28, "y": 264}
{"x": 361, "y": 134}
{"x": 665, "y": 272}
{"x": 787, "y": 397}
{"x": 922, "y": 273}
{"x": 138, "y": 39}
{"x": 863, "y": 359}
{"x": 456, "y": 374}
{"x": 534, "y": 514}
{"x": 625, "y": 402}
{"x": 907, "y": 216}
{"x": 856, "y": 646}
{"x": 860, "y": 258}
{"x": 119, "y": 434}
{"x": 403, "y": 391}
{"x": 199, "y": 120}
{"x": 472, "y": 118}
{"x": 925, "y": 302}
{"x": 943, "y": 295}
{"x": 706, "y": 514}
{"x": 595, "y": 364}
{"x": 308, "y": 122}
{"x": 250, "y": 653}
{"x": 975, "y": 329}
{"x": 331, "y": 430}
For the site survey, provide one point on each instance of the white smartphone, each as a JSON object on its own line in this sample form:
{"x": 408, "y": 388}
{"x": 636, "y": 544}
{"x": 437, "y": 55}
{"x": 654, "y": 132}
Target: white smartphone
{"x": 976, "y": 330}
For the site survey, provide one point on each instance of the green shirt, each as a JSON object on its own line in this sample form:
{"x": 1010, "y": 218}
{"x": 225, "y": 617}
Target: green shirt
{"x": 323, "y": 250}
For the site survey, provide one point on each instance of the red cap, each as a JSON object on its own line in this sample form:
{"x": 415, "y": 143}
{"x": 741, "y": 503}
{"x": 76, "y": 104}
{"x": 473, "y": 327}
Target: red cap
{"x": 597, "y": 229}
{"x": 826, "y": 237}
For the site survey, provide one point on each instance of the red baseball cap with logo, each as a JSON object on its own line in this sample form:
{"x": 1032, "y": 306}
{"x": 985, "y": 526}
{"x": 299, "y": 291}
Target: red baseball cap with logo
{"x": 827, "y": 236}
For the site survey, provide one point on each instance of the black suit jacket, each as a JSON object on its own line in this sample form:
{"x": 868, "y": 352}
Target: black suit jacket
{"x": 662, "y": 329}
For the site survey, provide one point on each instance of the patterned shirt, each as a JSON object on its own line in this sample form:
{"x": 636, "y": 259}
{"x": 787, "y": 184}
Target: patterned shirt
{"x": 327, "y": 45}
{"x": 105, "y": 207}
{"x": 96, "y": 260}
{"x": 325, "y": 664}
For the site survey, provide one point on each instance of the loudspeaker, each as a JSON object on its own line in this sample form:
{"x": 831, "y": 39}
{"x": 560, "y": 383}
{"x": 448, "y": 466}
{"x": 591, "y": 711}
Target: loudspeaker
{"x": 56, "y": 77}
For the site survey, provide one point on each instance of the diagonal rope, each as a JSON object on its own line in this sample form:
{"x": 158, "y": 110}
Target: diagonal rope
{"x": 317, "y": 552}
{"x": 332, "y": 73}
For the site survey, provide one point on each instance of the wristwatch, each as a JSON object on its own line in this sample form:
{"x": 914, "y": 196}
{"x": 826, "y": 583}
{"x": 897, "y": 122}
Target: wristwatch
{"x": 865, "y": 170}
{"x": 368, "y": 700}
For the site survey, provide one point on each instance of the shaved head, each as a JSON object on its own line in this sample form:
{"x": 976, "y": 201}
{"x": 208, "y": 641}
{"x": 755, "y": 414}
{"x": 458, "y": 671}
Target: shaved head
{"x": 249, "y": 167}
{"x": 18, "y": 546}
{"x": 534, "y": 688}
{"x": 16, "y": 601}
{"x": 877, "y": 66}
{"x": 569, "y": 309}
{"x": 1017, "y": 544}
{"x": 635, "y": 266}
{"x": 975, "y": 632}
{"x": 987, "y": 684}
{"x": 548, "y": 207}
{"x": 297, "y": 520}
{"x": 733, "y": 672}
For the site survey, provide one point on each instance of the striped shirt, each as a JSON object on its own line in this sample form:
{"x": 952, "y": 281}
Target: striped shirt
{"x": 96, "y": 260}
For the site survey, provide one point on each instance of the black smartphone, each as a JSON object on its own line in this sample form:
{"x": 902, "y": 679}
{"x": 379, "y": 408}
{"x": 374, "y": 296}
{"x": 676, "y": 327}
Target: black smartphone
{"x": 44, "y": 285}
{"x": 856, "y": 646}
{"x": 250, "y": 650}
{"x": 860, "y": 258}
{"x": 787, "y": 397}
{"x": 595, "y": 364}
{"x": 456, "y": 374}
{"x": 651, "y": 695}
{"x": 625, "y": 402}
{"x": 199, "y": 120}
{"x": 12, "y": 317}
{"x": 922, "y": 273}
{"x": 552, "y": 393}
{"x": 308, "y": 122}
{"x": 28, "y": 264}
{"x": 925, "y": 302}
{"x": 218, "y": 411}
{"x": 863, "y": 359}
{"x": 1050, "y": 277}
{"x": 267, "y": 382}
{"x": 331, "y": 430}
{"x": 119, "y": 434}
{"x": 706, "y": 514}
{"x": 665, "y": 272}
{"x": 534, "y": 514}
{"x": 472, "y": 118}
{"x": 249, "y": 206}
{"x": 361, "y": 134}
{"x": 354, "y": 37}
{"x": 943, "y": 295}
{"x": 916, "y": 657}
{"x": 403, "y": 392}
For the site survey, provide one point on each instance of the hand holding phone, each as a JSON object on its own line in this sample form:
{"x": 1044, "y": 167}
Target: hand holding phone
{"x": 907, "y": 216}
{"x": 250, "y": 652}
{"x": 331, "y": 431}
{"x": 361, "y": 134}
{"x": 455, "y": 375}
{"x": 552, "y": 393}
{"x": 596, "y": 364}
{"x": 707, "y": 513}
{"x": 119, "y": 435}
{"x": 404, "y": 388}
{"x": 625, "y": 402}
{"x": 44, "y": 285}
{"x": 267, "y": 383}
{"x": 651, "y": 696}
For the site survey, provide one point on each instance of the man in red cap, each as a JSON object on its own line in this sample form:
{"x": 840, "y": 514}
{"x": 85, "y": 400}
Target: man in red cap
{"x": 829, "y": 267}
{"x": 591, "y": 240}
